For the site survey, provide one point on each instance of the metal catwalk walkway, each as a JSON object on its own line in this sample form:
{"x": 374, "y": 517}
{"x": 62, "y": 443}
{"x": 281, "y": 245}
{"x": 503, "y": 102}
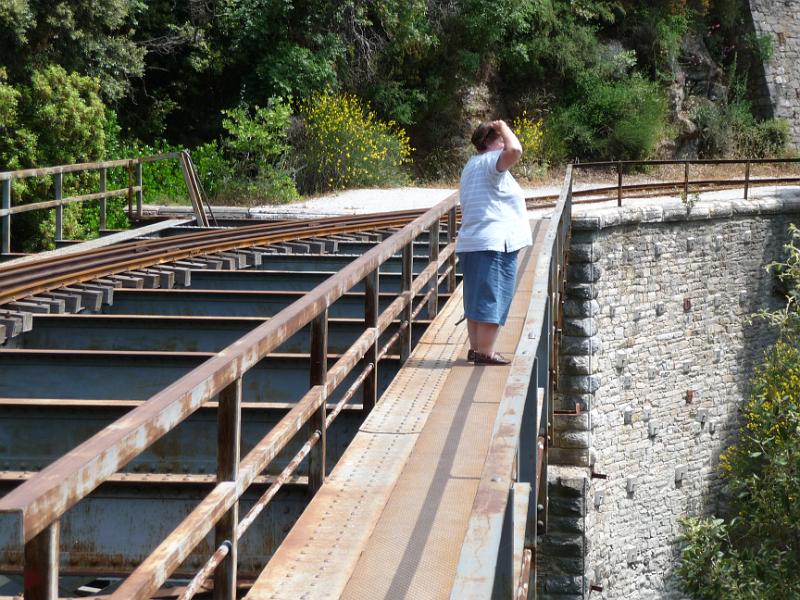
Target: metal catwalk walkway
{"x": 391, "y": 518}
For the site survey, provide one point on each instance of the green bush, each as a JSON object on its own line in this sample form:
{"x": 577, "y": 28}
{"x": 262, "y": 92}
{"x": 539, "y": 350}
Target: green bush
{"x": 731, "y": 130}
{"x": 259, "y": 145}
{"x": 340, "y": 144}
{"x": 608, "y": 119}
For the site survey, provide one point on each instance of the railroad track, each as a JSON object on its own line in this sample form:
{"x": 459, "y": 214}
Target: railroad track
{"x": 94, "y": 335}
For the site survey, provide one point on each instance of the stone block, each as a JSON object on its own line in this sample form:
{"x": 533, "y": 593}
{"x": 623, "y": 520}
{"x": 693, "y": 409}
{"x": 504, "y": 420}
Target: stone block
{"x": 571, "y": 439}
{"x": 581, "y": 308}
{"x": 570, "y": 457}
{"x": 586, "y": 327}
{"x": 579, "y": 345}
{"x": 583, "y": 253}
{"x": 583, "y": 291}
{"x": 564, "y": 584}
{"x": 571, "y": 422}
{"x": 564, "y": 545}
{"x": 578, "y": 365}
{"x": 584, "y": 272}
{"x": 583, "y": 384}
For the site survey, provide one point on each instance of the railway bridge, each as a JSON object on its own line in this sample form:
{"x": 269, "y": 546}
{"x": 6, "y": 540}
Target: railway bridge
{"x": 197, "y": 408}
{"x": 272, "y": 410}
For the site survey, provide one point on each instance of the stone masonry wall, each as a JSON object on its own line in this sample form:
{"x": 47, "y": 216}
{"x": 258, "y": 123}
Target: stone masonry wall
{"x": 780, "y": 20}
{"x": 657, "y": 353}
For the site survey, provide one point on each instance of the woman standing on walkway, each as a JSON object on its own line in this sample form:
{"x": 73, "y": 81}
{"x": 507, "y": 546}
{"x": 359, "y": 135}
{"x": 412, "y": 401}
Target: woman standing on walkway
{"x": 494, "y": 226}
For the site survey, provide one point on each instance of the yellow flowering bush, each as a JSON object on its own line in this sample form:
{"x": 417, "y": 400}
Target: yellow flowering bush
{"x": 529, "y": 132}
{"x": 341, "y": 144}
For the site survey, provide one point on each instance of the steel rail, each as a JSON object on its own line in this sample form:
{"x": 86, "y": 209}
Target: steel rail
{"x": 39, "y": 503}
{"x": 17, "y": 282}
{"x": 23, "y": 208}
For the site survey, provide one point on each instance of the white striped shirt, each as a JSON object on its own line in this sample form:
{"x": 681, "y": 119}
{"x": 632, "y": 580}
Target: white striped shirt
{"x": 493, "y": 213}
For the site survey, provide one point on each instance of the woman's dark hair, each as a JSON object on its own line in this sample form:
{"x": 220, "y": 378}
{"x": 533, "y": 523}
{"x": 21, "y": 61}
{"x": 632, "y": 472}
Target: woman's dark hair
{"x": 483, "y": 136}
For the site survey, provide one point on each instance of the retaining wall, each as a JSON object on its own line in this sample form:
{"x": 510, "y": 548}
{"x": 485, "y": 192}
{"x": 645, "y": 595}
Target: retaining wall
{"x": 780, "y": 20}
{"x": 656, "y": 358}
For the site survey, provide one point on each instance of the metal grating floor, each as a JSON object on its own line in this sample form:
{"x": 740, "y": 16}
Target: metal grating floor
{"x": 390, "y": 519}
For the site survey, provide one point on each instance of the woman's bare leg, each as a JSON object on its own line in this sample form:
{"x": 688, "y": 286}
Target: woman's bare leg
{"x": 485, "y": 337}
{"x": 472, "y": 330}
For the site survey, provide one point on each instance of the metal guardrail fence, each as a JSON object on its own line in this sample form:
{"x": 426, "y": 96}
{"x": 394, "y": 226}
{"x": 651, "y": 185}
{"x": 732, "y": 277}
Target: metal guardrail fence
{"x": 515, "y": 471}
{"x": 32, "y": 512}
{"x": 134, "y": 187}
{"x": 685, "y": 186}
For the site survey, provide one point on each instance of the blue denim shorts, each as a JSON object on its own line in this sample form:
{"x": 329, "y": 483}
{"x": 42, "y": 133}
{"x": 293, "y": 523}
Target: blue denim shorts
{"x": 489, "y": 281}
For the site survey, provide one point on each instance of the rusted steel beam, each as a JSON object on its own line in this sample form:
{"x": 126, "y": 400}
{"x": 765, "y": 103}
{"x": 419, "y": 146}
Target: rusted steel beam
{"x": 433, "y": 257}
{"x": 474, "y": 580}
{"x": 229, "y": 433}
{"x": 408, "y": 269}
{"x": 525, "y": 576}
{"x": 59, "y": 202}
{"x": 43, "y": 499}
{"x": 318, "y": 374}
{"x": 41, "y": 565}
{"x": 89, "y": 166}
{"x": 370, "y": 392}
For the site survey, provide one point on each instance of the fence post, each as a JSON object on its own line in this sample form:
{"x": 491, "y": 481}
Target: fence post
{"x": 370, "y": 390}
{"x": 319, "y": 372}
{"x": 130, "y": 189}
{"x": 686, "y": 179}
{"x": 746, "y": 180}
{"x": 58, "y": 182}
{"x": 103, "y": 207}
{"x": 407, "y": 276}
{"x": 229, "y": 419}
{"x": 619, "y": 183}
{"x": 433, "y": 256}
{"x": 41, "y": 565}
{"x": 5, "y": 222}
{"x": 451, "y": 261}
{"x": 139, "y": 191}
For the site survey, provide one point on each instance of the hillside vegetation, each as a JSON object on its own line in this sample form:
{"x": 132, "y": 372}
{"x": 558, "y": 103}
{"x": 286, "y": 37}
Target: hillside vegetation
{"x": 278, "y": 98}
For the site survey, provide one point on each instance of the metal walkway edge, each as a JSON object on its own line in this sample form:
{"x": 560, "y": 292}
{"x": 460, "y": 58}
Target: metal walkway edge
{"x": 390, "y": 520}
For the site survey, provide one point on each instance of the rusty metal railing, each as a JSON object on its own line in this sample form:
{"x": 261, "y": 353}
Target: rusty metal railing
{"x": 31, "y": 513}
{"x": 515, "y": 472}
{"x": 684, "y": 186}
{"x": 135, "y": 188}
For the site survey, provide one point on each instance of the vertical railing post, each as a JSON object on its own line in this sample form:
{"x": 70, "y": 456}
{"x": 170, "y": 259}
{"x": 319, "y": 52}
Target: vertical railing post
{"x": 41, "y": 565}
{"x": 451, "y": 261}
{"x": 130, "y": 189}
{"x": 686, "y": 179}
{"x": 407, "y": 276}
{"x": 58, "y": 183}
{"x": 229, "y": 427}
{"x": 370, "y": 391}
{"x": 433, "y": 256}
{"x": 5, "y": 222}
{"x": 139, "y": 190}
{"x": 319, "y": 372}
{"x": 619, "y": 183}
{"x": 103, "y": 204}
{"x": 746, "y": 180}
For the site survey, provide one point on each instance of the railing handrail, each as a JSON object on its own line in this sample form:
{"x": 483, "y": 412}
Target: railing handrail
{"x": 44, "y": 498}
{"x": 474, "y": 579}
{"x": 683, "y": 161}
{"x": 87, "y": 166}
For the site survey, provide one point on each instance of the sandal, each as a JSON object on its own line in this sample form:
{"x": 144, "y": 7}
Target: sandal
{"x": 490, "y": 359}
{"x": 470, "y": 355}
